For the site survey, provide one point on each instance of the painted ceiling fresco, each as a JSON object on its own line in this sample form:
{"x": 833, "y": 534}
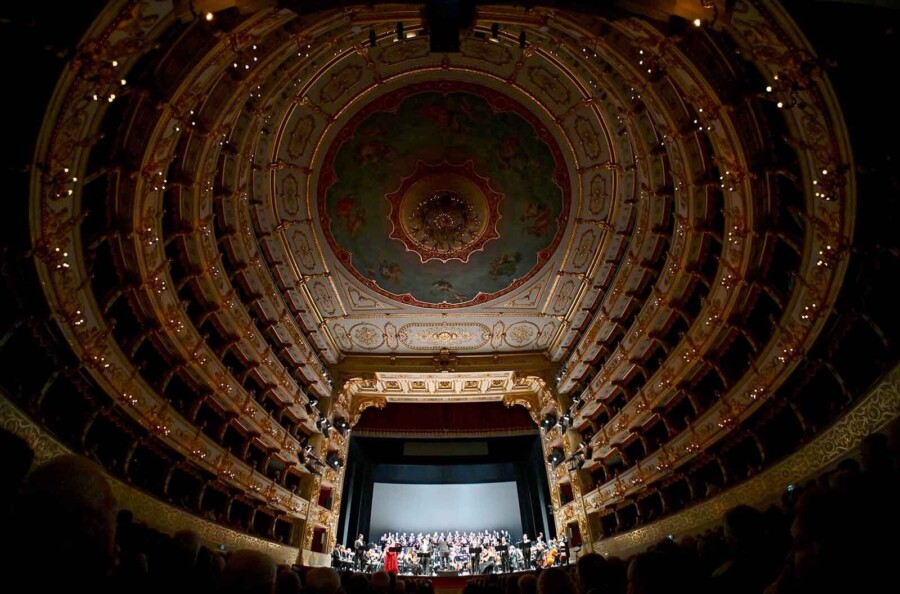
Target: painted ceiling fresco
{"x": 444, "y": 194}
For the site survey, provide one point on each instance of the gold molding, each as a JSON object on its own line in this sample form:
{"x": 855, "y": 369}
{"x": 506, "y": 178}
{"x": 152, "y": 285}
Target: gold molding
{"x": 356, "y": 365}
{"x": 872, "y": 413}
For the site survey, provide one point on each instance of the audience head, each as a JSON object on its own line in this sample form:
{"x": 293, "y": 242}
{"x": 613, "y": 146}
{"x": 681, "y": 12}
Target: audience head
{"x": 81, "y": 524}
{"x": 249, "y": 572}
{"x": 528, "y": 584}
{"x": 744, "y": 528}
{"x": 555, "y": 580}
{"x": 381, "y": 581}
{"x": 287, "y": 581}
{"x": 654, "y": 572}
{"x": 186, "y": 548}
{"x": 356, "y": 583}
{"x": 322, "y": 580}
{"x": 592, "y": 571}
{"x": 813, "y": 522}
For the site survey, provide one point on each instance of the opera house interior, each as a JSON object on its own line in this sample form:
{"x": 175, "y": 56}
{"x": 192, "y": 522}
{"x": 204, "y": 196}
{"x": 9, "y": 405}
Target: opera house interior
{"x": 629, "y": 321}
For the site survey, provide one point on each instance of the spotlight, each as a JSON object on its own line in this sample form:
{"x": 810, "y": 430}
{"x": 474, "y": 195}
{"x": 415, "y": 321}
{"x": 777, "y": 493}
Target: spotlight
{"x": 549, "y": 421}
{"x": 495, "y": 30}
{"x": 697, "y": 22}
{"x": 399, "y": 31}
{"x": 313, "y": 400}
{"x": 209, "y": 16}
{"x": 576, "y": 399}
{"x": 522, "y": 40}
{"x": 555, "y": 457}
{"x": 372, "y": 38}
{"x": 334, "y": 460}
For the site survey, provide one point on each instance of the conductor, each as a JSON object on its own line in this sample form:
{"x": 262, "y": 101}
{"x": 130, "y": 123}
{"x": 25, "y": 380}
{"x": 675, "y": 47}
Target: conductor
{"x": 444, "y": 551}
{"x": 359, "y": 547}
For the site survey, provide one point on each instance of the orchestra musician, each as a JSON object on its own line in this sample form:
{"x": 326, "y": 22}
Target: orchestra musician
{"x": 550, "y": 555}
{"x": 411, "y": 561}
{"x": 490, "y": 560}
{"x": 373, "y": 560}
{"x": 425, "y": 555}
{"x": 540, "y": 550}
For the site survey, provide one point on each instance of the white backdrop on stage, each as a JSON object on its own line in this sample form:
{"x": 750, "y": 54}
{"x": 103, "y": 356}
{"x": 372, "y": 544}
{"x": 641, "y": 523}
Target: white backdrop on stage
{"x": 421, "y": 508}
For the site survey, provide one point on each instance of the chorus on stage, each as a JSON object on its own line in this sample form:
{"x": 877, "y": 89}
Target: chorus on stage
{"x": 461, "y": 553}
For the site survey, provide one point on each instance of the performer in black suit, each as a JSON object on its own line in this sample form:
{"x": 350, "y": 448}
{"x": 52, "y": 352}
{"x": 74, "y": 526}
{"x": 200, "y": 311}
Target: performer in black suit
{"x": 503, "y": 549}
{"x": 359, "y": 548}
{"x": 475, "y": 556}
{"x": 526, "y": 551}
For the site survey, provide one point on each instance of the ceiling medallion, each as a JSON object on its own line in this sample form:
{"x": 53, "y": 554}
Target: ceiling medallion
{"x": 443, "y": 194}
{"x": 444, "y": 212}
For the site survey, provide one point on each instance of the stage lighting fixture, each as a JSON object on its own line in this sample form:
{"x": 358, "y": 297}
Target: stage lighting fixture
{"x": 495, "y": 30}
{"x": 522, "y": 40}
{"x": 334, "y": 460}
{"x": 555, "y": 457}
{"x": 399, "y": 31}
{"x": 549, "y": 421}
{"x": 372, "y": 38}
{"x": 576, "y": 399}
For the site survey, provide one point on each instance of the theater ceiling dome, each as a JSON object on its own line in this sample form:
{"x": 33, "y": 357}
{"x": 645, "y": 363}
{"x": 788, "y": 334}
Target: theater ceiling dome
{"x": 648, "y": 195}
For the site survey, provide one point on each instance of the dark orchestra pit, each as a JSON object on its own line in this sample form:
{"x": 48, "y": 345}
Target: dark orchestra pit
{"x": 451, "y": 553}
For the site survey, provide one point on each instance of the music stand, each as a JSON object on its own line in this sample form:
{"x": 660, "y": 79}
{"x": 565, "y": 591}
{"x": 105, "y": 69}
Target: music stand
{"x": 474, "y": 557}
{"x": 424, "y": 558}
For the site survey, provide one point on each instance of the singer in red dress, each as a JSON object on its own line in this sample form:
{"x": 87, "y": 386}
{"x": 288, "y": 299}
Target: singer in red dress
{"x": 390, "y": 558}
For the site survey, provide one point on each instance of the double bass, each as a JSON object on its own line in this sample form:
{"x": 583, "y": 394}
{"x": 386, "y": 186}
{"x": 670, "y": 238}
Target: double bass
{"x": 550, "y": 557}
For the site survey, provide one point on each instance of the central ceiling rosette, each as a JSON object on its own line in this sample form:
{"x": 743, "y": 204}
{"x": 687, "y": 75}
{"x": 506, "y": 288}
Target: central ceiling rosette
{"x": 444, "y": 212}
{"x": 444, "y": 194}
